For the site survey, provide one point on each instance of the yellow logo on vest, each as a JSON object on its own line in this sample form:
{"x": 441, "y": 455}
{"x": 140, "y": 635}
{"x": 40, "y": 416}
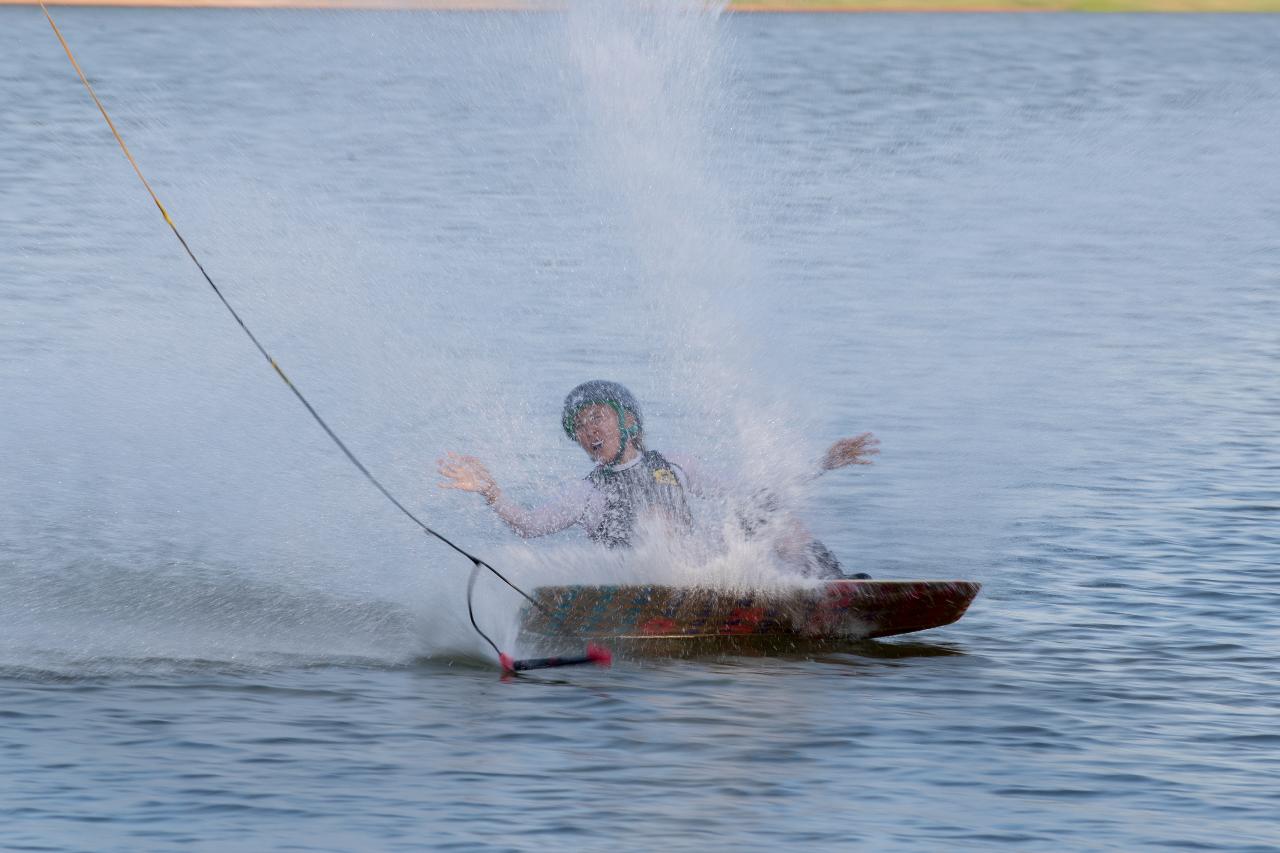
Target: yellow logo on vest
{"x": 665, "y": 477}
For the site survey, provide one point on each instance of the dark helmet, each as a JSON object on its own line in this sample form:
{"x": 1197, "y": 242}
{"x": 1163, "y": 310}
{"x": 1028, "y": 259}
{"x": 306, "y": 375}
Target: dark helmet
{"x": 609, "y": 394}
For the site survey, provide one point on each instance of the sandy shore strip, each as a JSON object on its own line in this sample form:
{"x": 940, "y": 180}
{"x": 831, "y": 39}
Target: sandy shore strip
{"x": 764, "y": 6}
{"x": 352, "y": 5}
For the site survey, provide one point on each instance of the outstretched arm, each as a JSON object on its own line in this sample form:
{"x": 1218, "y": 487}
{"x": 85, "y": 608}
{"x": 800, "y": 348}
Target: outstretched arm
{"x": 468, "y": 474}
{"x": 709, "y": 484}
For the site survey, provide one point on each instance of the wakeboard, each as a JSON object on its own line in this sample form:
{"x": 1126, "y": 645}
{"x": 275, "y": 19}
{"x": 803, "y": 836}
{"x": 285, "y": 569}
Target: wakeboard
{"x": 675, "y": 619}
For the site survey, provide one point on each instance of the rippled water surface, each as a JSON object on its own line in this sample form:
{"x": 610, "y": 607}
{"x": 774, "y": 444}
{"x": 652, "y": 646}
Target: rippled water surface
{"x": 1038, "y": 256}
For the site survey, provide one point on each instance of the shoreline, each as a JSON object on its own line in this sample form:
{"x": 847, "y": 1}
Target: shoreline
{"x": 744, "y": 7}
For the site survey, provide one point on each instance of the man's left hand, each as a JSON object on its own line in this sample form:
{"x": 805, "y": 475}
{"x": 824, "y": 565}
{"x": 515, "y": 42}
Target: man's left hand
{"x": 851, "y": 451}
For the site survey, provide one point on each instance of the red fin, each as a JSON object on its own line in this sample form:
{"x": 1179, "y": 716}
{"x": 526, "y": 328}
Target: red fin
{"x": 599, "y": 654}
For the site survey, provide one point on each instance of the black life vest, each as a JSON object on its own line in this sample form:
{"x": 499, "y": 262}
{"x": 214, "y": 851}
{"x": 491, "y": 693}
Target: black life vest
{"x": 649, "y": 485}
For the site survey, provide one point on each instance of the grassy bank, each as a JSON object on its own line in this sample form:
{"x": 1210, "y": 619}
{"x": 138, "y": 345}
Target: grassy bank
{"x": 1007, "y": 6}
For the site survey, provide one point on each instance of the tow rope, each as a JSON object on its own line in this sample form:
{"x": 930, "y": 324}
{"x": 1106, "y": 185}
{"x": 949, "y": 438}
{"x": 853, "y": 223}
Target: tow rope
{"x": 594, "y": 653}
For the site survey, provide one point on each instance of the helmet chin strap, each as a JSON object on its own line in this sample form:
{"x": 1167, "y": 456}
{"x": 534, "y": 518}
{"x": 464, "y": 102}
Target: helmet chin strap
{"x": 625, "y": 433}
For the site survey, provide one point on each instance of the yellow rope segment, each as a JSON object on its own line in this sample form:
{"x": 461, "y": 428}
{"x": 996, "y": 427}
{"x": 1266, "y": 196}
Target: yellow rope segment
{"x": 125, "y": 148}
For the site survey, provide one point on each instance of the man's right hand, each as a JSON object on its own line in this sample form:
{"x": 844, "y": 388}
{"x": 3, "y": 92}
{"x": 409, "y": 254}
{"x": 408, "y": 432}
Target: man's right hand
{"x": 468, "y": 474}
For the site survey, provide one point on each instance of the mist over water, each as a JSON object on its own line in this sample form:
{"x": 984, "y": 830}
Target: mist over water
{"x": 1036, "y": 255}
{"x": 619, "y": 253}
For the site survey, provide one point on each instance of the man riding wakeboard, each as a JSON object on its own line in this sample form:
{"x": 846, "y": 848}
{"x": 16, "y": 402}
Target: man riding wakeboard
{"x": 631, "y": 483}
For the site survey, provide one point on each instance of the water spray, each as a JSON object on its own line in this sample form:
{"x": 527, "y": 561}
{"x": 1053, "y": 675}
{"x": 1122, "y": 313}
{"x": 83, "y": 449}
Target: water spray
{"x": 594, "y": 654}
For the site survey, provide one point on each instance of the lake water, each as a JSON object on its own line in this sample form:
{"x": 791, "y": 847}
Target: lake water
{"x": 1038, "y": 256}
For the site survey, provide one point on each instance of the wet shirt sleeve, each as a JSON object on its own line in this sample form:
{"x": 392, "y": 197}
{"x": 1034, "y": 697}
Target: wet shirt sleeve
{"x": 566, "y": 510}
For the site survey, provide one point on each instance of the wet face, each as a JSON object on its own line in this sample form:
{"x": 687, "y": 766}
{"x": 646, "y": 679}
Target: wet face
{"x": 596, "y": 429}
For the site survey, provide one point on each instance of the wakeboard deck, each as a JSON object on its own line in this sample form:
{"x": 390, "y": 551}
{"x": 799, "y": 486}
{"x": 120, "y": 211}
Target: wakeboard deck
{"x": 652, "y": 619}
